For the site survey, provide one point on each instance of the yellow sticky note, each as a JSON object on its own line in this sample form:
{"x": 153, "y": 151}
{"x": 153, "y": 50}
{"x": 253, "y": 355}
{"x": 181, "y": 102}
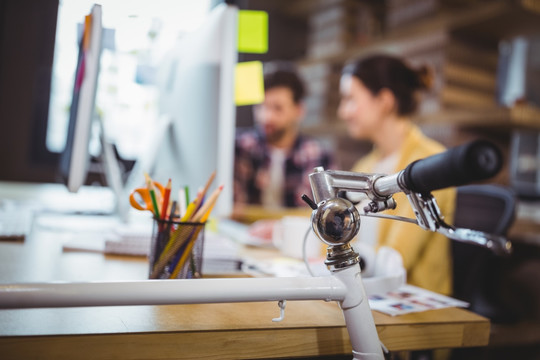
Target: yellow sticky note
{"x": 249, "y": 83}
{"x": 252, "y": 31}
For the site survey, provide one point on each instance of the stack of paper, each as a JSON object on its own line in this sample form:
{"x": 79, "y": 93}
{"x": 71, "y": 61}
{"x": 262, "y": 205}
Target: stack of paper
{"x": 220, "y": 255}
{"x": 409, "y": 299}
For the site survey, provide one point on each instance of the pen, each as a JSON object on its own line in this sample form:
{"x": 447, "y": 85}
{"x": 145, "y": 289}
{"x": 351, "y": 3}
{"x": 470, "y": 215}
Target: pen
{"x": 173, "y": 210}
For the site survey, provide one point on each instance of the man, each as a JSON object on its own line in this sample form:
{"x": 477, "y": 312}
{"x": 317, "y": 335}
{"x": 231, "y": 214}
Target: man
{"x": 273, "y": 160}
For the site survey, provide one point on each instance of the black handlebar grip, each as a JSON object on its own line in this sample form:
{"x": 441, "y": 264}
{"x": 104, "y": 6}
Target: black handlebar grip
{"x": 475, "y": 161}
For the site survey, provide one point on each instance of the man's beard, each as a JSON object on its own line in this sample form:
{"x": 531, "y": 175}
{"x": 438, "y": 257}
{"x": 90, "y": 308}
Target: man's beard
{"x": 275, "y": 136}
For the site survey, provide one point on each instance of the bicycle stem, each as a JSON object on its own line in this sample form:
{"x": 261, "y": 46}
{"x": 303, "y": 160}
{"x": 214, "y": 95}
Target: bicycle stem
{"x": 328, "y": 187}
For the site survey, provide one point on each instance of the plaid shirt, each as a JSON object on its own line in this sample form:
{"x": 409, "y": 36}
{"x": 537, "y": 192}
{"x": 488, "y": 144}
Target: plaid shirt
{"x": 252, "y": 162}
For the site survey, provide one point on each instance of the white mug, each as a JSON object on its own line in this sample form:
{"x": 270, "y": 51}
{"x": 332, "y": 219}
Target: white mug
{"x": 288, "y": 236}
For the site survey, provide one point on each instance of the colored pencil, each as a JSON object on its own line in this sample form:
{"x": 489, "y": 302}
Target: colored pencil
{"x": 195, "y": 235}
{"x": 182, "y": 201}
{"x": 201, "y": 194}
{"x": 175, "y": 236}
{"x": 184, "y": 234}
{"x": 166, "y": 197}
{"x": 153, "y": 197}
{"x": 208, "y": 205}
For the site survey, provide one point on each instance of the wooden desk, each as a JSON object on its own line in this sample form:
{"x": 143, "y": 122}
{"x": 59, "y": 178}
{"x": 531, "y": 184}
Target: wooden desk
{"x": 251, "y": 213}
{"x": 207, "y": 331}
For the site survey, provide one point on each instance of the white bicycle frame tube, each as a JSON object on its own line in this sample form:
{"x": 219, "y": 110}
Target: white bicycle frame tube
{"x": 358, "y": 318}
{"x": 344, "y": 286}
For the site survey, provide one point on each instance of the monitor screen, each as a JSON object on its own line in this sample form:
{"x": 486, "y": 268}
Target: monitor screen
{"x": 75, "y": 158}
{"x": 195, "y": 136}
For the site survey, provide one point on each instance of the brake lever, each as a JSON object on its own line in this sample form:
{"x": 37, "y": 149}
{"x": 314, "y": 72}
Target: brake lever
{"x": 429, "y": 217}
{"x": 391, "y": 217}
{"x": 496, "y": 243}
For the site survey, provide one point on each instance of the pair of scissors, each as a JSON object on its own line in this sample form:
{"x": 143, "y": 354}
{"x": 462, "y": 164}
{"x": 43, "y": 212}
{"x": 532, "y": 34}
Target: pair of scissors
{"x": 141, "y": 199}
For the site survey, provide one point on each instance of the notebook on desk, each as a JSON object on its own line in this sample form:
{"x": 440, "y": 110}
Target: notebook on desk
{"x": 220, "y": 253}
{"x": 123, "y": 240}
{"x": 16, "y": 220}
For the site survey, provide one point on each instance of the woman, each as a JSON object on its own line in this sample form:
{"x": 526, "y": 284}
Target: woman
{"x": 378, "y": 96}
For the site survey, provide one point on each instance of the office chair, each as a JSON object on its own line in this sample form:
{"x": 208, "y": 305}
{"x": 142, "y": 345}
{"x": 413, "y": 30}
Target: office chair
{"x": 477, "y": 272}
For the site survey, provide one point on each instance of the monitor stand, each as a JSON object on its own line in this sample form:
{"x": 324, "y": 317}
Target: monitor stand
{"x": 112, "y": 169}
{"x": 109, "y": 166}
{"x": 113, "y": 175}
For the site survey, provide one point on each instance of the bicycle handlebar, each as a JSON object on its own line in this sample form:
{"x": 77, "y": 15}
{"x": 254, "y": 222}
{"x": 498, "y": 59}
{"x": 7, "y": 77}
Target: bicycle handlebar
{"x": 336, "y": 221}
{"x": 475, "y": 161}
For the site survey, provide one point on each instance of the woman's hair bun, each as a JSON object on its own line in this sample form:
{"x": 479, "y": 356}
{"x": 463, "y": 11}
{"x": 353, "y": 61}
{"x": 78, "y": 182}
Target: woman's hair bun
{"x": 426, "y": 78}
{"x": 383, "y": 71}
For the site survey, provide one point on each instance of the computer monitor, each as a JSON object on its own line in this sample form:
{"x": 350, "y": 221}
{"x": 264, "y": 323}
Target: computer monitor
{"x": 75, "y": 158}
{"x": 195, "y": 134}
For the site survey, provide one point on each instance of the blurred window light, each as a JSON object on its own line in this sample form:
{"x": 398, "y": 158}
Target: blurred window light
{"x": 137, "y": 35}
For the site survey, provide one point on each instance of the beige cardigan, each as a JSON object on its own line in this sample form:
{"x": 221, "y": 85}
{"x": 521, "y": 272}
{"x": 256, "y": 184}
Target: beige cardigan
{"x": 426, "y": 255}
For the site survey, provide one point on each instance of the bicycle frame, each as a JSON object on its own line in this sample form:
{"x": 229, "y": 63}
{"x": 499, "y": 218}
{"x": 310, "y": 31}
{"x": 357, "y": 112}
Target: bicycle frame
{"x": 335, "y": 220}
{"x": 344, "y": 286}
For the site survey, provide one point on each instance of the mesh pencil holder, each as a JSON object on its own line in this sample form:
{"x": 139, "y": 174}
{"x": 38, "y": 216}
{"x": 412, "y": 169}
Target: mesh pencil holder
{"x": 176, "y": 250}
